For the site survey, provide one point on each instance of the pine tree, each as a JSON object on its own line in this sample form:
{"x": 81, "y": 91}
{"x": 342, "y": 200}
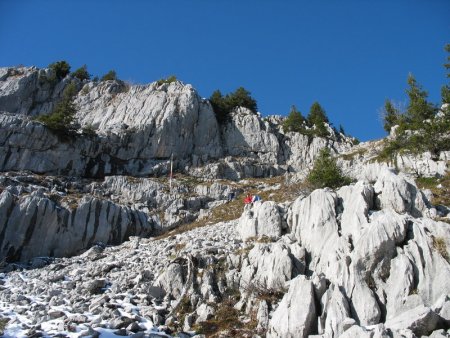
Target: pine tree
{"x": 60, "y": 70}
{"x": 445, "y": 90}
{"x": 391, "y": 116}
{"x": 419, "y": 109}
{"x": 62, "y": 116}
{"x": 223, "y": 105}
{"x": 317, "y": 119}
{"x": 82, "y": 73}
{"x": 111, "y": 75}
{"x": 326, "y": 172}
{"x": 219, "y": 106}
{"x": 241, "y": 98}
{"x": 294, "y": 122}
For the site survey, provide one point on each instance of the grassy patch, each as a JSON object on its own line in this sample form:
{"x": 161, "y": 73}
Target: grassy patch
{"x": 355, "y": 154}
{"x": 233, "y": 209}
{"x": 222, "y": 213}
{"x": 3, "y": 322}
{"x": 227, "y": 320}
{"x": 440, "y": 187}
{"x": 441, "y": 247}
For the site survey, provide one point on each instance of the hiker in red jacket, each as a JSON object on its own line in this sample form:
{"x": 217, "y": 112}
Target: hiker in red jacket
{"x": 248, "y": 199}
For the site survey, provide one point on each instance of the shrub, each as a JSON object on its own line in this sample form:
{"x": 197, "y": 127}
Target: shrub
{"x": 89, "y": 130}
{"x": 326, "y": 173}
{"x": 169, "y": 79}
{"x": 223, "y": 105}
{"x": 62, "y": 117}
{"x": 111, "y": 75}
{"x": 82, "y": 73}
{"x": 60, "y": 70}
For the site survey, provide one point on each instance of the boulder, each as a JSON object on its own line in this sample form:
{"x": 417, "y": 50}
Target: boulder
{"x": 335, "y": 311}
{"x": 260, "y": 219}
{"x": 421, "y": 320}
{"x": 270, "y": 265}
{"x": 296, "y": 314}
{"x": 401, "y": 194}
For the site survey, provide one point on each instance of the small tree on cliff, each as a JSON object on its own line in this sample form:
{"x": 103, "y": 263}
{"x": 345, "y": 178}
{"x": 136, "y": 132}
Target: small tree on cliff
{"x": 326, "y": 172}
{"x": 62, "y": 116}
{"x": 223, "y": 105}
{"x": 317, "y": 119}
{"x": 294, "y": 122}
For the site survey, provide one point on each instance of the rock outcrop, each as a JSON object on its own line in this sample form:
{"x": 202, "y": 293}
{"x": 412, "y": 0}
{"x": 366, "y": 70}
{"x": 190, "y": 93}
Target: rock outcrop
{"x": 137, "y": 128}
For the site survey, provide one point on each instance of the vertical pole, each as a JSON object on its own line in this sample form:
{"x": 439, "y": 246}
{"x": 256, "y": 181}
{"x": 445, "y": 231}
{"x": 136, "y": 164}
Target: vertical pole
{"x": 171, "y": 171}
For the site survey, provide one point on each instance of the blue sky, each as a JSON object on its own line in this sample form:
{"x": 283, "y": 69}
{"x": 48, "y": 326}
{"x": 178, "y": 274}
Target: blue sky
{"x": 348, "y": 55}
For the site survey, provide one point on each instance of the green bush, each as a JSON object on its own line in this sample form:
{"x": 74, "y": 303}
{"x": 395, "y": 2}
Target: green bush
{"x": 223, "y": 105}
{"x": 62, "y": 117}
{"x": 82, "y": 73}
{"x": 60, "y": 70}
{"x": 169, "y": 79}
{"x": 326, "y": 172}
{"x": 89, "y": 130}
{"x": 111, "y": 75}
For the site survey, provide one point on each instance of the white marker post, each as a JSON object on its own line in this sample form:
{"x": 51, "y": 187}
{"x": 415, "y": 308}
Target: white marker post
{"x": 171, "y": 172}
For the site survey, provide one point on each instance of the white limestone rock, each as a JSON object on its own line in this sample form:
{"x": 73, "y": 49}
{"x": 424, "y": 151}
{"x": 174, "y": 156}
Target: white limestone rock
{"x": 172, "y": 280}
{"x": 296, "y": 313}
{"x": 271, "y": 265}
{"x": 246, "y": 134}
{"x": 399, "y": 285}
{"x": 421, "y": 320}
{"x": 335, "y": 310}
{"x": 260, "y": 219}
{"x": 314, "y": 224}
{"x": 399, "y": 193}
{"x": 357, "y": 200}
{"x": 432, "y": 270}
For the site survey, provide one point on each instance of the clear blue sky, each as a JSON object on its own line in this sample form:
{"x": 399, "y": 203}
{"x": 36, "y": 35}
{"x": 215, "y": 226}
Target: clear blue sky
{"x": 348, "y": 55}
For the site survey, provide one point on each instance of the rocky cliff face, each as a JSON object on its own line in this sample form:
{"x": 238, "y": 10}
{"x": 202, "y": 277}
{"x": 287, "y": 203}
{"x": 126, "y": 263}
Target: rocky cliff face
{"x": 79, "y": 215}
{"x": 138, "y": 128}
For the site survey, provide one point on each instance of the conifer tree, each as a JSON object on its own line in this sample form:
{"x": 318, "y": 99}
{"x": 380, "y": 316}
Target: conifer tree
{"x": 326, "y": 172}
{"x": 391, "y": 116}
{"x": 295, "y": 121}
{"x": 317, "y": 119}
{"x": 419, "y": 109}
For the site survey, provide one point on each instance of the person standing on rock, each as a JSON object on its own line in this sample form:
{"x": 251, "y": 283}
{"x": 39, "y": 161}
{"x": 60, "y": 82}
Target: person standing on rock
{"x": 248, "y": 199}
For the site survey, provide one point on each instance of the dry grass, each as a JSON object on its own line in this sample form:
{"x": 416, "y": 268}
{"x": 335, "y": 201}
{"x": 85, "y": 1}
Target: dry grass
{"x": 3, "y": 323}
{"x": 441, "y": 194}
{"x": 227, "y": 322}
{"x": 355, "y": 154}
{"x": 233, "y": 209}
{"x": 222, "y": 213}
{"x": 441, "y": 247}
